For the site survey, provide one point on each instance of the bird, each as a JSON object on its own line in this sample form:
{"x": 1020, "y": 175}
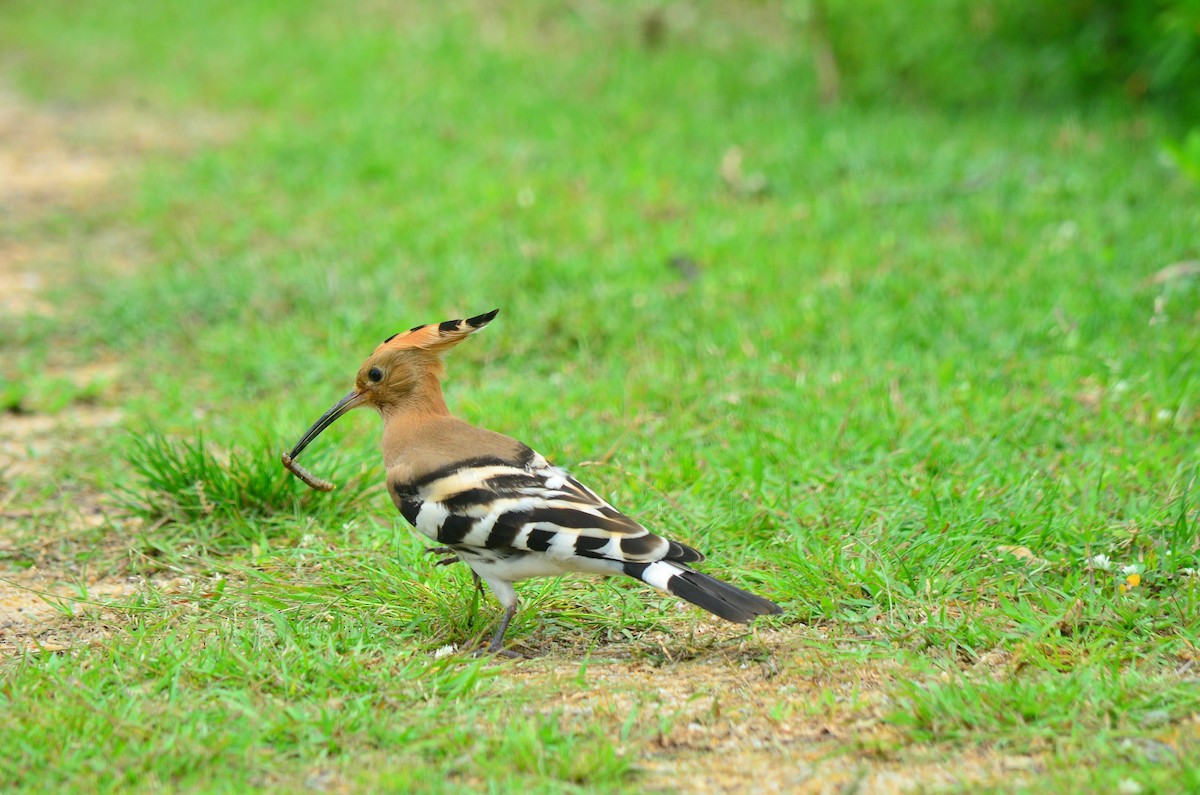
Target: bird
{"x": 496, "y": 504}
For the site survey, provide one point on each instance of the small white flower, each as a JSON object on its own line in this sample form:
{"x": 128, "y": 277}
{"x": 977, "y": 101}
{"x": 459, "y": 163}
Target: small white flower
{"x": 445, "y": 651}
{"x": 1132, "y": 568}
{"x": 1128, "y": 786}
{"x": 1101, "y": 562}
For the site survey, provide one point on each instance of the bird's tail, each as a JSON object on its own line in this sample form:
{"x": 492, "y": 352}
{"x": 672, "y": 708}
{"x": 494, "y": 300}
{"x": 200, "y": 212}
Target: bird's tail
{"x": 719, "y": 598}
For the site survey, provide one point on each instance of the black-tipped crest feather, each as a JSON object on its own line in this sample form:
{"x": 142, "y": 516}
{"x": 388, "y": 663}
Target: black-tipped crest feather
{"x": 479, "y": 321}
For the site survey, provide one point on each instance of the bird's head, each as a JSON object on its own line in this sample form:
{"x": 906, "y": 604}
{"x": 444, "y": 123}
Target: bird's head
{"x": 403, "y": 372}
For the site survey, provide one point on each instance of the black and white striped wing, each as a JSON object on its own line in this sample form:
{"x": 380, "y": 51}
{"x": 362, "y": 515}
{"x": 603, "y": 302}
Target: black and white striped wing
{"x": 491, "y": 503}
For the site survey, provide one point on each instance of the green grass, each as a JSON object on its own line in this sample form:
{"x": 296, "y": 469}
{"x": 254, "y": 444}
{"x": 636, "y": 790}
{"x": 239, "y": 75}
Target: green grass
{"x": 934, "y": 338}
{"x": 185, "y": 483}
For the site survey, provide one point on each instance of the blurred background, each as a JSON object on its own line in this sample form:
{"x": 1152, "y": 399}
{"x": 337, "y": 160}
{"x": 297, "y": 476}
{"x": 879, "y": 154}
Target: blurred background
{"x": 800, "y": 237}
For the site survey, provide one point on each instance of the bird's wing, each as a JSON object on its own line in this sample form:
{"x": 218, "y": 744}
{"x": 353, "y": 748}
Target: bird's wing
{"x": 494, "y": 503}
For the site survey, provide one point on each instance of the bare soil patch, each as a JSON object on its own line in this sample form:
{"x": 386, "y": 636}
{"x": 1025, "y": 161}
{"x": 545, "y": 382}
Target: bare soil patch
{"x": 30, "y": 442}
{"x": 768, "y": 712}
{"x": 41, "y": 613}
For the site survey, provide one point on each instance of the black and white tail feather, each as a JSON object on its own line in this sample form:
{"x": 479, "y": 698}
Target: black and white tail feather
{"x": 719, "y": 598}
{"x": 514, "y": 519}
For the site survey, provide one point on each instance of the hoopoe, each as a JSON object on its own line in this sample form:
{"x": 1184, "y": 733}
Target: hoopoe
{"x": 494, "y": 502}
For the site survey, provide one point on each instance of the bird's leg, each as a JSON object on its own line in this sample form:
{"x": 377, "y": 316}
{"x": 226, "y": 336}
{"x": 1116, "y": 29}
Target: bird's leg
{"x": 508, "y": 598}
{"x": 497, "y": 644}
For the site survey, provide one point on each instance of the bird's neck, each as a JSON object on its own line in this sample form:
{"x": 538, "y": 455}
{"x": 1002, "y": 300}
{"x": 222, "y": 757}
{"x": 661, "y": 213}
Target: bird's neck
{"x": 414, "y": 434}
{"x": 424, "y": 401}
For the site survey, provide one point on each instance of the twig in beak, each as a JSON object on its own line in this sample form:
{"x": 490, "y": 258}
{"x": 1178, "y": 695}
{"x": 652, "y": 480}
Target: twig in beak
{"x": 309, "y": 479}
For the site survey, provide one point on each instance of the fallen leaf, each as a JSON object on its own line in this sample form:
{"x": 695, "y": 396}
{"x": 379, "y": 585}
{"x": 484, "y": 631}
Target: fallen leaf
{"x": 1022, "y": 554}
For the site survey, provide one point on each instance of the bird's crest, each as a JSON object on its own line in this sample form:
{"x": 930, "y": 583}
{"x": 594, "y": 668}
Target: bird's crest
{"x": 437, "y": 337}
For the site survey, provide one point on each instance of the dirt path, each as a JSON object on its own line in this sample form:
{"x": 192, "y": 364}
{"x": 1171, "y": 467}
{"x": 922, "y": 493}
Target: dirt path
{"x": 54, "y": 162}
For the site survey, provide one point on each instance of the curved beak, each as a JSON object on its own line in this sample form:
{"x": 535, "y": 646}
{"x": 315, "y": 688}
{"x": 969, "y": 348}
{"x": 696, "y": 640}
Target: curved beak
{"x": 350, "y": 401}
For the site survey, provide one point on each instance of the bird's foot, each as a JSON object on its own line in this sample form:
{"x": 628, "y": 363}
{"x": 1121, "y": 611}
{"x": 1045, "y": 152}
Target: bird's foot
{"x": 488, "y": 651}
{"x": 495, "y": 647}
{"x": 496, "y": 644}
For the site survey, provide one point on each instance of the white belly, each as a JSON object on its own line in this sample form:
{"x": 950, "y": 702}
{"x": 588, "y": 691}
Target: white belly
{"x": 532, "y": 564}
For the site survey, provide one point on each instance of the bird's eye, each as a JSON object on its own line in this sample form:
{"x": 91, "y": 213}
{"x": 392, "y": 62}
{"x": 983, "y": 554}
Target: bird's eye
{"x": 375, "y": 374}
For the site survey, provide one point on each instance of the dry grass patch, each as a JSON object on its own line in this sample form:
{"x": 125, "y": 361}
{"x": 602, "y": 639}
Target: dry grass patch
{"x": 40, "y": 612}
{"x": 773, "y": 711}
